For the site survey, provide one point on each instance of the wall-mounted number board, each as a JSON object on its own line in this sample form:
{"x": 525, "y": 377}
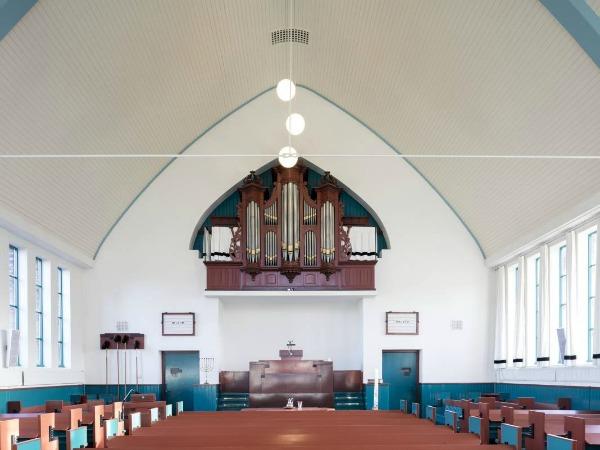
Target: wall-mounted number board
{"x": 178, "y": 324}
{"x": 401, "y": 322}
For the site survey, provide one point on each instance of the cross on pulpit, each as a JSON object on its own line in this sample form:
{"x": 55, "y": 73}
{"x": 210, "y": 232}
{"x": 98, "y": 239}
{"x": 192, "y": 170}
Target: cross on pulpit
{"x": 290, "y": 346}
{"x": 290, "y": 353}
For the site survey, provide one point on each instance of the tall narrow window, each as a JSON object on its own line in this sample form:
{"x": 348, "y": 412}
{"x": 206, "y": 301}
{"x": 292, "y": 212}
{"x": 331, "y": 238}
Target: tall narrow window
{"x": 591, "y": 287}
{"x": 538, "y": 299}
{"x": 60, "y": 326}
{"x": 13, "y": 288}
{"x": 39, "y": 310}
{"x": 562, "y": 286}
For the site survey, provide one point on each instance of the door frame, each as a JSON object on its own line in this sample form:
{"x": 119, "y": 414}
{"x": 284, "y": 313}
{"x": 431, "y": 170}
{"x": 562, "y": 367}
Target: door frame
{"x": 163, "y": 386}
{"x": 418, "y": 353}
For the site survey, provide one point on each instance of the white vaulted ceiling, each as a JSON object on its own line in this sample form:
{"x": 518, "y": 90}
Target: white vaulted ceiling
{"x": 483, "y": 77}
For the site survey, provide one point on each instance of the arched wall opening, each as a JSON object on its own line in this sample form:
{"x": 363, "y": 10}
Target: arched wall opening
{"x": 146, "y": 267}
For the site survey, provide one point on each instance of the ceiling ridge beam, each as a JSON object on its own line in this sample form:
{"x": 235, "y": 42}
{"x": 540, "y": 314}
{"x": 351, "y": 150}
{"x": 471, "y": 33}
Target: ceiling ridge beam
{"x": 11, "y": 12}
{"x": 580, "y": 21}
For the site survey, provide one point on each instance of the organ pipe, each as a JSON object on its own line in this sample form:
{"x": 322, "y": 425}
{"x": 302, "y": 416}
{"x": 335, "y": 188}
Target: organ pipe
{"x": 327, "y": 232}
{"x": 252, "y": 232}
{"x": 292, "y": 213}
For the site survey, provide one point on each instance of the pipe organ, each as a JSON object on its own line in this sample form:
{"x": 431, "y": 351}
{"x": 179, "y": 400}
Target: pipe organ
{"x": 291, "y": 236}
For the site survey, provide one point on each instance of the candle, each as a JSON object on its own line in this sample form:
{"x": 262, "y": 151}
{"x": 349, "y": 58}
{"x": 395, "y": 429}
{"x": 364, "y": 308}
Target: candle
{"x": 376, "y": 391}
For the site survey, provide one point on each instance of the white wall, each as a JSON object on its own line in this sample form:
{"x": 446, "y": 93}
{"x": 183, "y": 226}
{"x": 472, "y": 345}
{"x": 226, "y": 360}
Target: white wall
{"x": 434, "y": 266}
{"x": 253, "y": 329}
{"x": 28, "y": 374}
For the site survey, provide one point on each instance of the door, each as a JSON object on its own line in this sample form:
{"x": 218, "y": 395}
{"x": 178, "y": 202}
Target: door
{"x": 181, "y": 371}
{"x": 401, "y": 372}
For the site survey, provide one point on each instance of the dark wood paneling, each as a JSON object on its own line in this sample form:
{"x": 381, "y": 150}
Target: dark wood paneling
{"x": 355, "y": 221}
{"x": 234, "y": 381}
{"x": 351, "y": 275}
{"x": 223, "y": 276}
{"x": 347, "y": 380}
{"x": 273, "y": 382}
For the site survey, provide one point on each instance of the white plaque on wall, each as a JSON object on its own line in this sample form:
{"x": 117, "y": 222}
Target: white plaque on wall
{"x": 402, "y": 322}
{"x": 178, "y": 324}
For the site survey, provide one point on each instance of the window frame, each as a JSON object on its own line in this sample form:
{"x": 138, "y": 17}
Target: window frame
{"x": 591, "y": 299}
{"x": 14, "y": 280}
{"x": 60, "y": 326}
{"x": 562, "y": 285}
{"x": 39, "y": 310}
{"x": 538, "y": 300}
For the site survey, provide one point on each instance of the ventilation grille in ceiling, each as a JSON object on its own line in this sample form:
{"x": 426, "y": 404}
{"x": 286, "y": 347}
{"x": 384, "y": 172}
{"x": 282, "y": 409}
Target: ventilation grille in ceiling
{"x": 289, "y": 34}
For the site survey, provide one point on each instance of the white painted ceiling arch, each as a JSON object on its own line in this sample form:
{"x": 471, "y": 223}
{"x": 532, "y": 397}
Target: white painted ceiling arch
{"x": 461, "y": 77}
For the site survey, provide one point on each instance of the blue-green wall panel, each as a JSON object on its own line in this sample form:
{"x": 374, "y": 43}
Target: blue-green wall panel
{"x": 434, "y": 393}
{"x": 384, "y": 396}
{"x": 38, "y": 396}
{"x": 206, "y": 397}
{"x": 580, "y": 396}
{"x": 110, "y": 393}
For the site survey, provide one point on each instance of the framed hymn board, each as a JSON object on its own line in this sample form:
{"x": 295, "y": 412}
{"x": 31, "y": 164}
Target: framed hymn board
{"x": 178, "y": 324}
{"x": 401, "y": 322}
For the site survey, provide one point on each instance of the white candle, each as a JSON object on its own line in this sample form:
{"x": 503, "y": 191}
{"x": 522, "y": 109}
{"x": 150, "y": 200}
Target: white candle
{"x": 376, "y": 391}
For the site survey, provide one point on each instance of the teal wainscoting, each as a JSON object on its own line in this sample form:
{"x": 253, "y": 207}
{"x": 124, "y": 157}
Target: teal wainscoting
{"x": 206, "y": 397}
{"x": 109, "y": 393}
{"x": 581, "y": 397}
{"x": 435, "y": 393}
{"x": 38, "y": 395}
{"x": 384, "y": 396}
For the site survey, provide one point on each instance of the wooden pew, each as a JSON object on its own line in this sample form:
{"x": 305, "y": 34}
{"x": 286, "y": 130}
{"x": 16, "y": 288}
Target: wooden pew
{"x": 178, "y": 408}
{"x": 415, "y": 409}
{"x": 262, "y": 430}
{"x": 102, "y": 421}
{"x": 530, "y": 403}
{"x": 92, "y": 419}
{"x": 581, "y": 434}
{"x": 33, "y": 426}
{"x": 545, "y": 422}
{"x": 133, "y": 421}
{"x": 404, "y": 406}
{"x": 9, "y": 431}
{"x": 68, "y": 429}
{"x": 454, "y": 415}
{"x": 486, "y": 420}
{"x": 431, "y": 413}
{"x": 15, "y": 407}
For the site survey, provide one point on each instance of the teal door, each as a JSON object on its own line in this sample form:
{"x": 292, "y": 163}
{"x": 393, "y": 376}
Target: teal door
{"x": 400, "y": 371}
{"x": 181, "y": 371}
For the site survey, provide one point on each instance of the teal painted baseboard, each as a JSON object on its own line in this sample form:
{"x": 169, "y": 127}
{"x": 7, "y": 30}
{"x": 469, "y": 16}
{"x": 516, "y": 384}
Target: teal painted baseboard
{"x": 38, "y": 395}
{"x": 435, "y": 393}
{"x": 109, "y": 393}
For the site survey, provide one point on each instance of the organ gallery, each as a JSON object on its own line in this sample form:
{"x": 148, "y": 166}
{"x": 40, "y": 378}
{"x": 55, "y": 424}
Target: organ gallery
{"x": 290, "y": 228}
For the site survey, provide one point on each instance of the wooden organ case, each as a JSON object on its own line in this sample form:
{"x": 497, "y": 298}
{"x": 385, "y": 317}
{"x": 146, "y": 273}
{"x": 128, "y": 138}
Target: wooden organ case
{"x": 289, "y": 237}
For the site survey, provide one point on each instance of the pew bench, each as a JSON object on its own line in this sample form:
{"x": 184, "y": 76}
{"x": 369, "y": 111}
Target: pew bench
{"x": 486, "y": 420}
{"x": 36, "y": 427}
{"x": 546, "y": 422}
{"x": 581, "y": 434}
